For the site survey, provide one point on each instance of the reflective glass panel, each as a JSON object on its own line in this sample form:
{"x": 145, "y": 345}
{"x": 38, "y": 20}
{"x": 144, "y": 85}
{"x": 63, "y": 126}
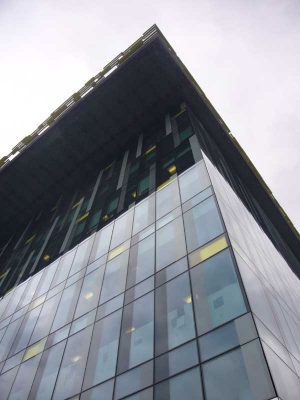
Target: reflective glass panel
{"x": 101, "y": 242}
{"x": 174, "y": 322}
{"x": 144, "y": 214}
{"x": 6, "y": 381}
{"x": 66, "y": 306}
{"x": 136, "y": 343}
{"x": 82, "y": 255}
{"x": 63, "y": 268}
{"x": 175, "y": 361}
{"x": 102, "y": 359}
{"x": 235, "y": 333}
{"x": 141, "y": 261}
{"x": 72, "y": 368}
{"x": 184, "y": 386}
{"x": 24, "y": 379}
{"x": 240, "y": 374}
{"x": 90, "y": 292}
{"x": 193, "y": 181}
{"x": 115, "y": 277}
{"x": 104, "y": 391}
{"x": 44, "y": 322}
{"x": 202, "y": 224}
{"x": 45, "y": 378}
{"x": 170, "y": 243}
{"x": 216, "y": 292}
{"x": 167, "y": 199}
{"x": 8, "y": 338}
{"x": 25, "y": 331}
{"x": 122, "y": 229}
{"x": 134, "y": 380}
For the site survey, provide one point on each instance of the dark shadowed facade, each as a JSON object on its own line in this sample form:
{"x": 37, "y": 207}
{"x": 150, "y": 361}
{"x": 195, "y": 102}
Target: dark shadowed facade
{"x": 142, "y": 256}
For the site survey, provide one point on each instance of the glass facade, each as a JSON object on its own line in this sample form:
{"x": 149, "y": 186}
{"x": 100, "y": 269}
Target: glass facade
{"x": 150, "y": 280}
{"x": 162, "y": 315}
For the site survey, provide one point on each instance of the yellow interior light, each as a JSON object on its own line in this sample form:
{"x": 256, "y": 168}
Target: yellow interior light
{"x": 46, "y": 257}
{"x": 89, "y": 295}
{"x": 208, "y": 250}
{"x": 75, "y": 359}
{"x": 172, "y": 169}
{"x": 134, "y": 194}
{"x": 105, "y": 217}
{"x": 84, "y": 216}
{"x": 188, "y": 299}
{"x": 165, "y": 183}
{"x": 130, "y": 330}
{"x": 34, "y": 349}
{"x": 150, "y": 150}
{"x": 30, "y": 239}
{"x": 118, "y": 250}
{"x": 37, "y": 302}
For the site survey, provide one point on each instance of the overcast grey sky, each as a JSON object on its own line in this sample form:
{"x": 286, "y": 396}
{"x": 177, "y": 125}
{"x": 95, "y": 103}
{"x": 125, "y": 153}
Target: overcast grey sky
{"x": 245, "y": 55}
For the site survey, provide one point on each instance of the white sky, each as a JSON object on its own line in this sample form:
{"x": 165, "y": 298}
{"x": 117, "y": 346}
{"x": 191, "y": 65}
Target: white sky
{"x": 245, "y": 55}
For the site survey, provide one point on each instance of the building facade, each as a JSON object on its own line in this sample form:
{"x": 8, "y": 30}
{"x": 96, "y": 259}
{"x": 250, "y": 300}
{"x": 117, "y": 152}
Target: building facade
{"x": 142, "y": 256}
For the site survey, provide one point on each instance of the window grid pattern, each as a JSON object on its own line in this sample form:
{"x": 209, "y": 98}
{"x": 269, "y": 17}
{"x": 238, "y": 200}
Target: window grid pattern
{"x": 113, "y": 315}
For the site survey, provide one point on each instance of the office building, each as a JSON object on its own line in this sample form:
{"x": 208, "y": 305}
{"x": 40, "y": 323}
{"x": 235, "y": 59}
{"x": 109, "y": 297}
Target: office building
{"x": 142, "y": 255}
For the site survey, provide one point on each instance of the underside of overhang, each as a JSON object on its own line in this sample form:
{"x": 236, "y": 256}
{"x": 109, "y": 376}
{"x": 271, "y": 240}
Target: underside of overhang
{"x": 136, "y": 95}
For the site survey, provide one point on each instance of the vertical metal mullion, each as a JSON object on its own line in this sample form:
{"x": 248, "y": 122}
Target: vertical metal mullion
{"x": 123, "y": 169}
{"x": 91, "y": 201}
{"x": 139, "y": 146}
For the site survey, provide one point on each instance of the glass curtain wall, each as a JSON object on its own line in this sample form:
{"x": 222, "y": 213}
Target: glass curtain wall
{"x": 149, "y": 307}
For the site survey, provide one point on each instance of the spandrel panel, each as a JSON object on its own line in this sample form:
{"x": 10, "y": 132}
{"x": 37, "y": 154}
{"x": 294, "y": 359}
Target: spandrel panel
{"x": 102, "y": 359}
{"x": 63, "y": 268}
{"x": 144, "y": 215}
{"x": 216, "y": 292}
{"x": 184, "y": 386}
{"x": 24, "y": 379}
{"x": 101, "y": 242}
{"x": 90, "y": 292}
{"x": 167, "y": 199}
{"x": 122, "y": 229}
{"x": 239, "y": 374}
{"x": 170, "y": 243}
{"x": 141, "y": 261}
{"x": 46, "y": 317}
{"x": 66, "y": 306}
{"x": 114, "y": 277}
{"x": 47, "y": 372}
{"x": 193, "y": 181}
{"x": 136, "y": 343}
{"x": 71, "y": 372}
{"x": 202, "y": 224}
{"x": 174, "y": 321}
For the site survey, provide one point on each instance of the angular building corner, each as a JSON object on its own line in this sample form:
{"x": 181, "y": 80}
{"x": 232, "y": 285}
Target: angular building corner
{"x": 142, "y": 255}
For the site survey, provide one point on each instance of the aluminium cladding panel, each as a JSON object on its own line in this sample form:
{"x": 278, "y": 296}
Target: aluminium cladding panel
{"x": 151, "y": 306}
{"x": 272, "y": 288}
